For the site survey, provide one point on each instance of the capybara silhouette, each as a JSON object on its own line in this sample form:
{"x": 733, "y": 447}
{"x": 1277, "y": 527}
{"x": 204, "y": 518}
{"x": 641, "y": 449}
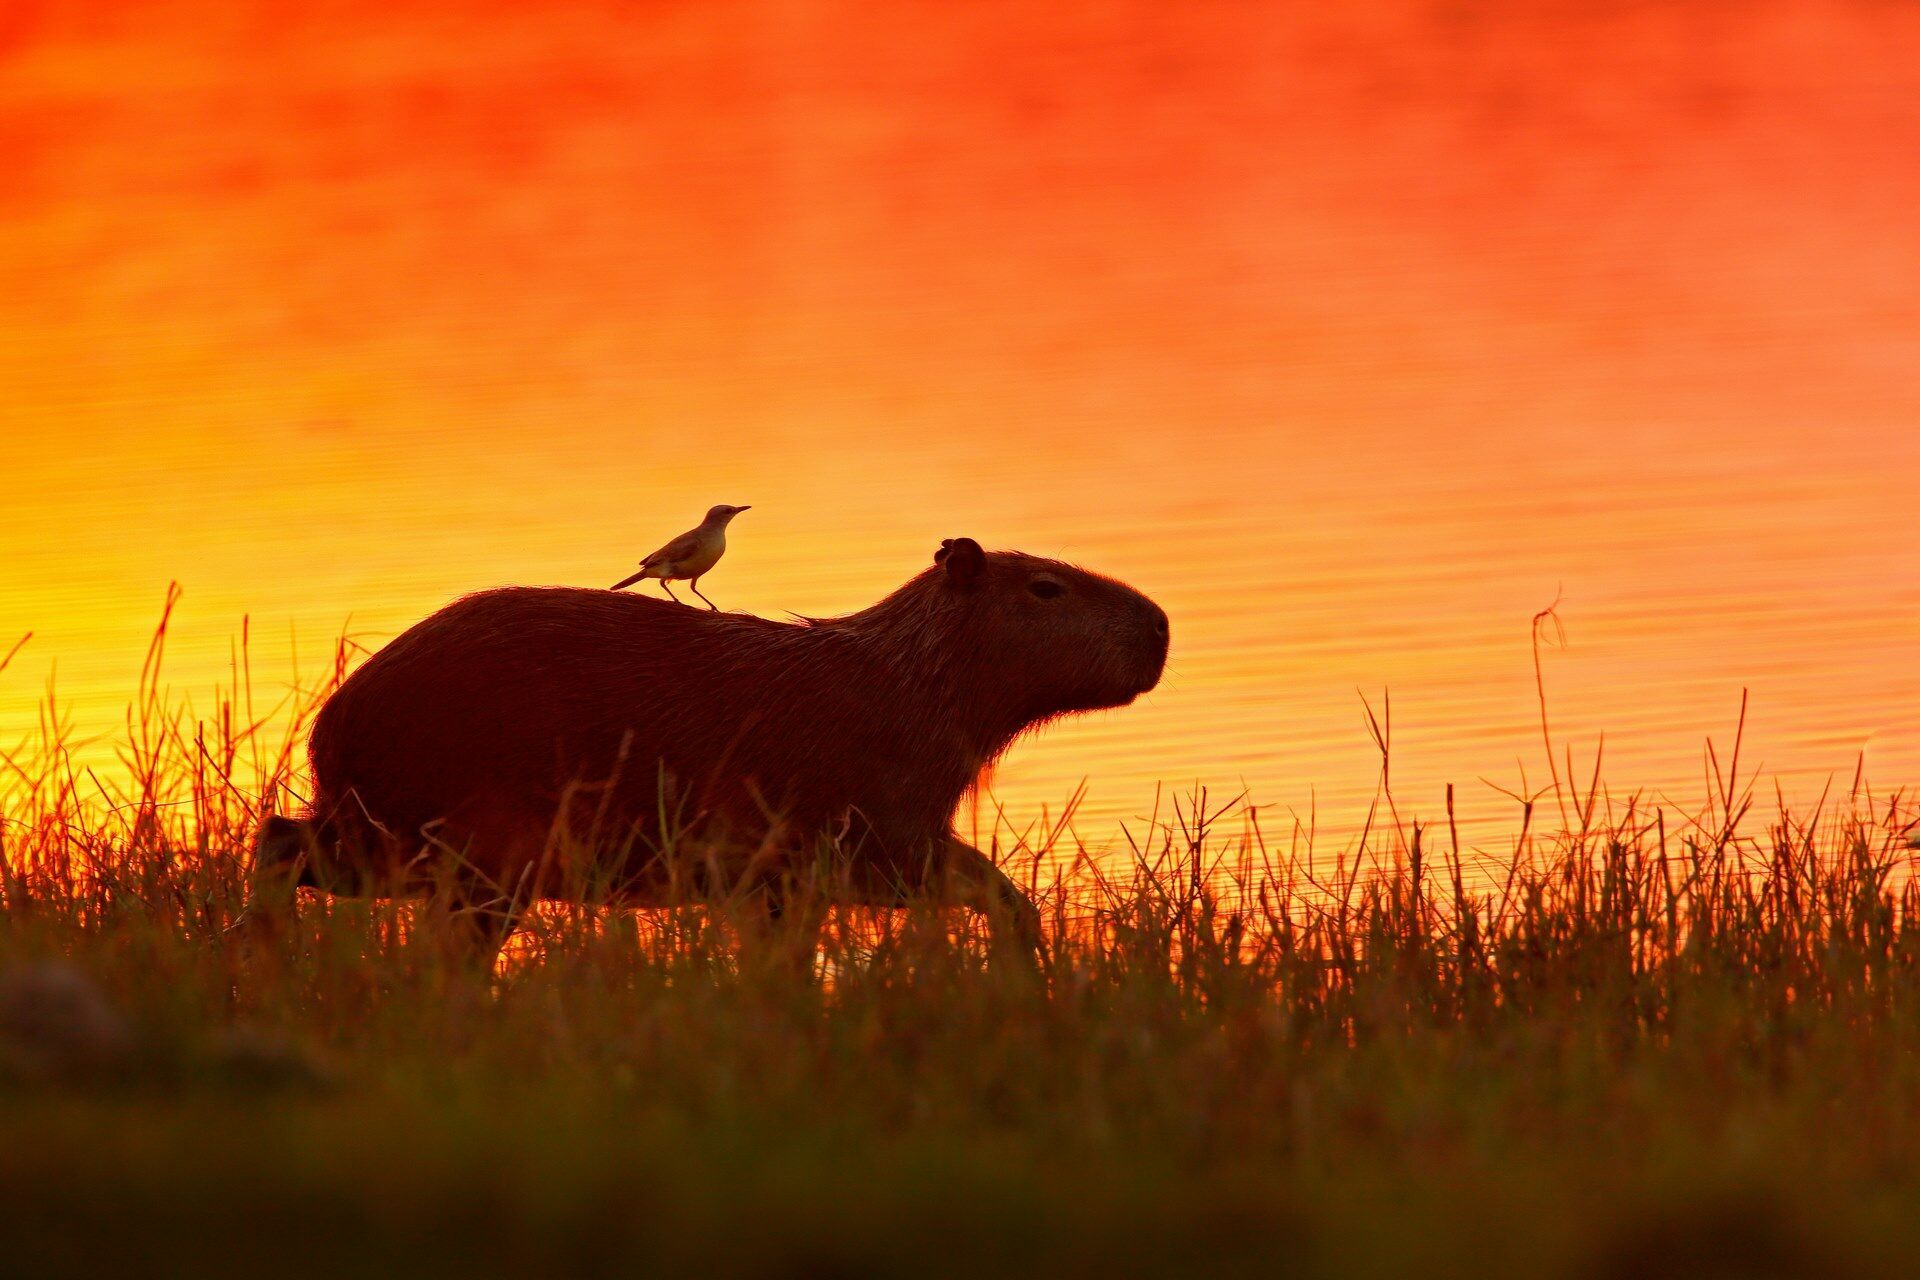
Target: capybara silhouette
{"x": 490, "y": 749}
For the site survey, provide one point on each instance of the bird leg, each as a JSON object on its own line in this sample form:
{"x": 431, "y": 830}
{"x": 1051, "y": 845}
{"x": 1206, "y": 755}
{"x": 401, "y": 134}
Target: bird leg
{"x": 695, "y": 584}
{"x": 667, "y": 587}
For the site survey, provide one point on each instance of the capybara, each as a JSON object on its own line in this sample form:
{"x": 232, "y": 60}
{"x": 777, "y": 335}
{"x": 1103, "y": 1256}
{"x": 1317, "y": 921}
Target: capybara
{"x": 488, "y": 750}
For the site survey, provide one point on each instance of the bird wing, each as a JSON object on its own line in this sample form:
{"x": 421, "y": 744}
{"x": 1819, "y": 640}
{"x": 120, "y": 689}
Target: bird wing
{"x": 679, "y": 549}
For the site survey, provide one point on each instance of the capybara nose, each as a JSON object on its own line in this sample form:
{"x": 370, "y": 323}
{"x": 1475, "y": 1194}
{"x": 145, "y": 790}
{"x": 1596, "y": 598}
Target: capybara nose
{"x": 1158, "y": 627}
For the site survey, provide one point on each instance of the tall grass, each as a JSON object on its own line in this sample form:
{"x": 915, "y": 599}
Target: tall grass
{"x": 1632, "y": 1037}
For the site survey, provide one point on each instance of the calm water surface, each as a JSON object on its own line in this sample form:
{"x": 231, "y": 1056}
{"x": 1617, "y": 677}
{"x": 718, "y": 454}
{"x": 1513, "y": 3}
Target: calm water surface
{"x": 1355, "y": 340}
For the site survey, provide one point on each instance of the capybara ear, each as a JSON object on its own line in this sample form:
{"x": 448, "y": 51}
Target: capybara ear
{"x": 963, "y": 559}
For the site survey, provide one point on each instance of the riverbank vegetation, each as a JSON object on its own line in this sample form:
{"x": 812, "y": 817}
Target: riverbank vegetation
{"x": 1633, "y": 1041}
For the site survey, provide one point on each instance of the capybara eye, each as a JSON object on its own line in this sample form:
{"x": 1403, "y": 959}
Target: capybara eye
{"x": 1047, "y": 588}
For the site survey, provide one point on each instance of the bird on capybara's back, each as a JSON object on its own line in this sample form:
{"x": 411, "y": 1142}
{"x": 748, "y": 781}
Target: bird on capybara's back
{"x": 521, "y": 727}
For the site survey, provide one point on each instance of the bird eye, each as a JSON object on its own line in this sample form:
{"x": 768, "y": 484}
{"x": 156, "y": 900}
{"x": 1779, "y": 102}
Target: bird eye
{"x": 1047, "y": 588}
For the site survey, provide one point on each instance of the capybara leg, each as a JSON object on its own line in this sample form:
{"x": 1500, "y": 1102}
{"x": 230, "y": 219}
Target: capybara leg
{"x": 695, "y": 586}
{"x": 972, "y": 880}
{"x": 783, "y": 922}
{"x": 474, "y": 921}
{"x": 280, "y": 856}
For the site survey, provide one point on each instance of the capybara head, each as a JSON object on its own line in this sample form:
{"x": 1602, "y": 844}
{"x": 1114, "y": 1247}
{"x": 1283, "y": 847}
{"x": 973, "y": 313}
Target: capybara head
{"x": 1053, "y": 637}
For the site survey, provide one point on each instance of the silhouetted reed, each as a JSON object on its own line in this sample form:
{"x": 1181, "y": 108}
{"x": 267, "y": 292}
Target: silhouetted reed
{"x": 1600, "y": 1000}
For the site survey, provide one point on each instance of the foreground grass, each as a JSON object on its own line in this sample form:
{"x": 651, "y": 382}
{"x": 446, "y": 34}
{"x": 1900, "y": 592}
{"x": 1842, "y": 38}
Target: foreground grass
{"x": 1653, "y": 1044}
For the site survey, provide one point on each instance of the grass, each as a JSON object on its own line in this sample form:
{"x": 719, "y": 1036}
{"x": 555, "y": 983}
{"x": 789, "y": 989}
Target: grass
{"x": 1639, "y": 1042}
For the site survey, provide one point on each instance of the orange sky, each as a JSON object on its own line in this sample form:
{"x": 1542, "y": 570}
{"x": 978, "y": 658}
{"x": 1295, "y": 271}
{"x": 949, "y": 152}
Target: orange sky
{"x": 1353, "y": 336}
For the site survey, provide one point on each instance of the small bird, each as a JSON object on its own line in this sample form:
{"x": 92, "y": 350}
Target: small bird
{"x": 688, "y": 556}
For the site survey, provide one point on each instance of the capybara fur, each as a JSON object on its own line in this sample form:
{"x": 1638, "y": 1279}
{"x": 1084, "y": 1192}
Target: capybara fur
{"x": 492, "y": 747}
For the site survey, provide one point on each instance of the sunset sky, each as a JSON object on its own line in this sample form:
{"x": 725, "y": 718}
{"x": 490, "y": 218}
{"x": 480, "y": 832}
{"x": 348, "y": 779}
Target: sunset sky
{"x": 1354, "y": 334}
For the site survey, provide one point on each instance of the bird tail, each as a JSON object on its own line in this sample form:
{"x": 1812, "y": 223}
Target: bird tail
{"x": 628, "y": 581}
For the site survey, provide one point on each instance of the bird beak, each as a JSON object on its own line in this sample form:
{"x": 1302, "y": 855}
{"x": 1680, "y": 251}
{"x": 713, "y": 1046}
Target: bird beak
{"x": 738, "y": 510}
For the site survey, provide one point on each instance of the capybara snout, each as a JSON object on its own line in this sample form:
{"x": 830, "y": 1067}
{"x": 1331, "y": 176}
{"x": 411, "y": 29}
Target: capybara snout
{"x": 1075, "y": 640}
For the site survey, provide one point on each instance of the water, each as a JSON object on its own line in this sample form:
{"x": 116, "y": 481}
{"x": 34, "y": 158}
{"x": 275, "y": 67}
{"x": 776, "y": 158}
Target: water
{"x": 1355, "y": 340}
